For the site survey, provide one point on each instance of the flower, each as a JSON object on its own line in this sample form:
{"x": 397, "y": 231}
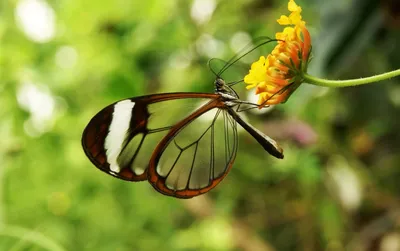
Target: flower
{"x": 276, "y": 76}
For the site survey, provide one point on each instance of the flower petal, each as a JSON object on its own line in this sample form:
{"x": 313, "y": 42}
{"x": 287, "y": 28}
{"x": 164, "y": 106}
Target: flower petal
{"x": 280, "y": 73}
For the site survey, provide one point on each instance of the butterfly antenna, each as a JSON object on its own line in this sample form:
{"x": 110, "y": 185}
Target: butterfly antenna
{"x": 209, "y": 66}
{"x": 235, "y": 83}
{"x": 242, "y": 53}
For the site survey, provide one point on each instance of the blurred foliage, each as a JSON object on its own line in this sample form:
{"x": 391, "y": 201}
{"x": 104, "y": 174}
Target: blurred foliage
{"x": 337, "y": 188}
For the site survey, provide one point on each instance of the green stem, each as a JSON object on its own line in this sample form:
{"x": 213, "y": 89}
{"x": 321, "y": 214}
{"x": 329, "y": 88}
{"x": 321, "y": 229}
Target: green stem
{"x": 352, "y": 82}
{"x": 31, "y": 236}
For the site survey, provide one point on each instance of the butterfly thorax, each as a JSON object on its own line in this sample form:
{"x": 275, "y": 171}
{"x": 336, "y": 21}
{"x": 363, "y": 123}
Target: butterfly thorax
{"x": 226, "y": 92}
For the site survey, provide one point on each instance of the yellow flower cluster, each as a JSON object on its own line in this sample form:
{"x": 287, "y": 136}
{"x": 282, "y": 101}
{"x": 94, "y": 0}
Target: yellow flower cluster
{"x": 276, "y": 76}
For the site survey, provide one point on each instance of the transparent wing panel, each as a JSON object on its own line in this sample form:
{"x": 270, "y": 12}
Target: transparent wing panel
{"x": 200, "y": 153}
{"x": 168, "y": 113}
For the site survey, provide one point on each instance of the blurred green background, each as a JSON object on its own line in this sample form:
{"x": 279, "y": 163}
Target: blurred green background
{"x": 62, "y": 61}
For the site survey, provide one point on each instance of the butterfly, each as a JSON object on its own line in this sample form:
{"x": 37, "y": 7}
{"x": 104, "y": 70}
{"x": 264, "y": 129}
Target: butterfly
{"x": 183, "y": 143}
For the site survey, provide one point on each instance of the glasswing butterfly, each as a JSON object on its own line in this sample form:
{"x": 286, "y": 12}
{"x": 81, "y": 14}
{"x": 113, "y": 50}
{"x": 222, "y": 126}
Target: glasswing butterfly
{"x": 184, "y": 144}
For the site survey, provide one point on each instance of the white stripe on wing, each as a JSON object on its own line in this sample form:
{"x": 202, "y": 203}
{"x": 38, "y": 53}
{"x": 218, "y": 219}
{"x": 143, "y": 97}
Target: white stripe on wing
{"x": 118, "y": 131}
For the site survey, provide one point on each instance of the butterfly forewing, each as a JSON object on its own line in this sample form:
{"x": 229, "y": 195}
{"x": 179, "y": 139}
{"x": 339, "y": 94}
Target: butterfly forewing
{"x": 196, "y": 154}
{"x": 121, "y": 138}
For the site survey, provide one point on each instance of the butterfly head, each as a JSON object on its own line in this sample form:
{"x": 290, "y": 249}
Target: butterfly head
{"x": 223, "y": 89}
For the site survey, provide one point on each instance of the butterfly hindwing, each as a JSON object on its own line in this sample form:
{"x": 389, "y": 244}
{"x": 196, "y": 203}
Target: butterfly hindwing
{"x": 196, "y": 154}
